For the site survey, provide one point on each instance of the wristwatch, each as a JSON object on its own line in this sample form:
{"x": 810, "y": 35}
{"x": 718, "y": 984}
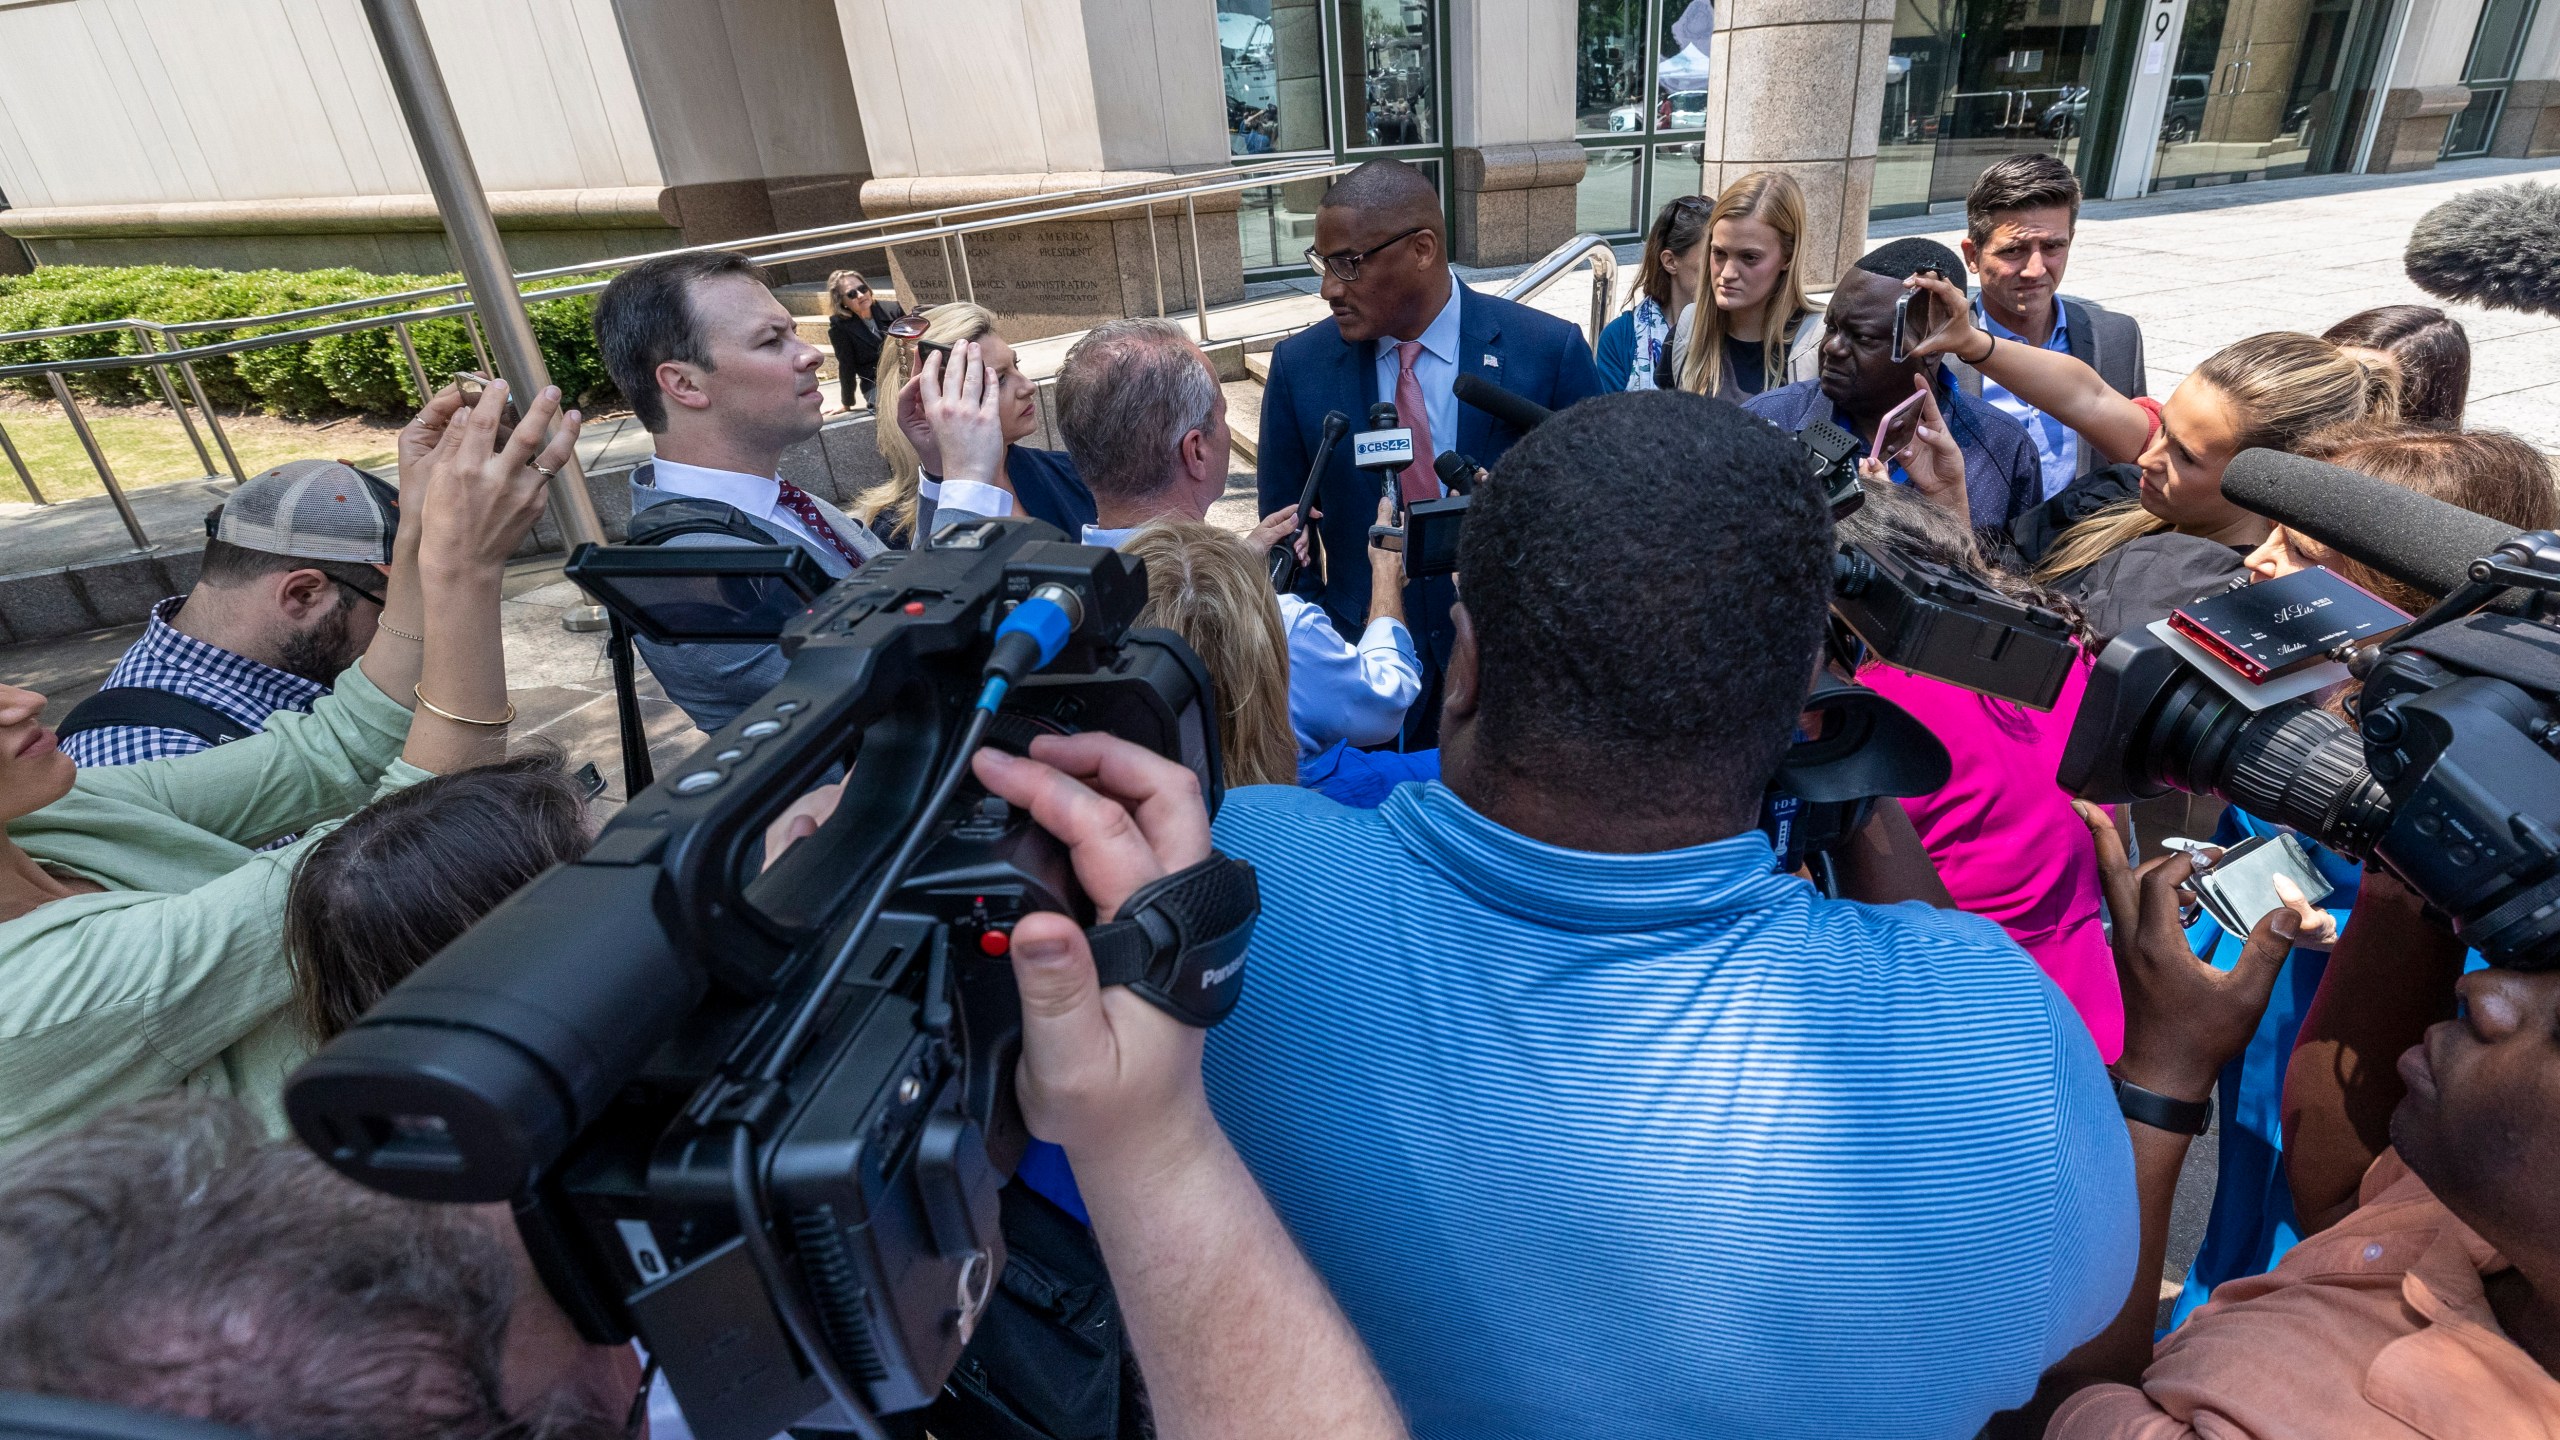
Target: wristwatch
{"x": 2150, "y": 1107}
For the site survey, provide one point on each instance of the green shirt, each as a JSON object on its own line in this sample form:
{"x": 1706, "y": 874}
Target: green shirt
{"x": 176, "y": 977}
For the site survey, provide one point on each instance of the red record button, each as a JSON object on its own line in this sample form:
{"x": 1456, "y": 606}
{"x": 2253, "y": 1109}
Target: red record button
{"x": 995, "y": 942}
{"x": 915, "y": 607}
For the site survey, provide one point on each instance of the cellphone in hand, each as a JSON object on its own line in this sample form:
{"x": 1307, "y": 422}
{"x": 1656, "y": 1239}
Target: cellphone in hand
{"x": 1894, "y": 432}
{"x": 934, "y": 347}
{"x": 1915, "y": 318}
{"x": 2240, "y": 889}
{"x": 471, "y": 383}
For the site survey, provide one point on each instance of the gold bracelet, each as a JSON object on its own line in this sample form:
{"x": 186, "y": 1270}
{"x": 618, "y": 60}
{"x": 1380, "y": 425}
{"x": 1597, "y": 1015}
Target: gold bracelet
{"x": 386, "y": 625}
{"x": 435, "y": 709}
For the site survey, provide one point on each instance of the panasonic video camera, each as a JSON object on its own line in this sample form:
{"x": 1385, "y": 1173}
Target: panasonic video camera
{"x": 759, "y": 1118}
{"x": 2445, "y": 775}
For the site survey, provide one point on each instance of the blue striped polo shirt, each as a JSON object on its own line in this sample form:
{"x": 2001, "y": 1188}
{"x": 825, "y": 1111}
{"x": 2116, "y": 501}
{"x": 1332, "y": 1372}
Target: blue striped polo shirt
{"x": 1662, "y": 1145}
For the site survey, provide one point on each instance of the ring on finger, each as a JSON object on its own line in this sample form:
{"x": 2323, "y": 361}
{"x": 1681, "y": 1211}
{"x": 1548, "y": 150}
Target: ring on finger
{"x": 549, "y": 472}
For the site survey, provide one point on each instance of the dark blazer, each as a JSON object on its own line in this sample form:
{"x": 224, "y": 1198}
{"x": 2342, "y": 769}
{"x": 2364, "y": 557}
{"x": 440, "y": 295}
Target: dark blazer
{"x": 857, "y": 348}
{"x": 1528, "y": 352}
{"x": 2101, "y": 339}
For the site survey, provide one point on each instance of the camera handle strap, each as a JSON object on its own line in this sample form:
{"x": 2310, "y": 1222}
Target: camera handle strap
{"x": 1180, "y": 940}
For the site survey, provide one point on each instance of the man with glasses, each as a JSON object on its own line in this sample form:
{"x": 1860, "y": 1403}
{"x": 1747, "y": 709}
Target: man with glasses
{"x": 1403, "y": 330}
{"x": 288, "y": 597}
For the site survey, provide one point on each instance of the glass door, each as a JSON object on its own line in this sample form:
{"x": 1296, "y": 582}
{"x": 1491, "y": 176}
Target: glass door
{"x": 1326, "y": 79}
{"x": 2491, "y": 66}
{"x": 1969, "y": 81}
{"x": 2260, "y": 90}
{"x": 1640, "y": 107}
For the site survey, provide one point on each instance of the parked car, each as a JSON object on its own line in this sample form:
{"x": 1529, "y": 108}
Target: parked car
{"x": 2187, "y": 96}
{"x": 1681, "y": 110}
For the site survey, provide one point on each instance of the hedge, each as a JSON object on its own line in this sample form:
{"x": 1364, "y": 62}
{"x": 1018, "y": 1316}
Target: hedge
{"x": 361, "y": 372}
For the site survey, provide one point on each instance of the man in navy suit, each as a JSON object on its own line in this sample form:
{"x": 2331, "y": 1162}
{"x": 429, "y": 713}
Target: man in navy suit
{"x": 1403, "y": 329}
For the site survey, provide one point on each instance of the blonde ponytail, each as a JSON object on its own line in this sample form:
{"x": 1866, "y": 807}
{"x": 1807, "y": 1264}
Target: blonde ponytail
{"x": 2283, "y": 387}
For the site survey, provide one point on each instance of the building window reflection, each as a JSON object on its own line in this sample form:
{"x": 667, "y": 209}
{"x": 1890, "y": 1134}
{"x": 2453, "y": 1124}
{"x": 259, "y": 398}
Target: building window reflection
{"x": 1271, "y": 56}
{"x": 1390, "y": 73}
{"x": 1640, "y": 72}
{"x": 1969, "y": 81}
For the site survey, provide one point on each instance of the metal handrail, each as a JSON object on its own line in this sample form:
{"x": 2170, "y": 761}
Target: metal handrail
{"x": 941, "y": 227}
{"x": 624, "y": 262}
{"x": 564, "y": 292}
{"x": 1554, "y": 266}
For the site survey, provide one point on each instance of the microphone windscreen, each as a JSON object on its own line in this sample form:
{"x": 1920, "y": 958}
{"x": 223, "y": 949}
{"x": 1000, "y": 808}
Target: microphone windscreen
{"x": 2415, "y": 539}
{"x": 2498, "y": 247}
{"x": 1521, "y": 414}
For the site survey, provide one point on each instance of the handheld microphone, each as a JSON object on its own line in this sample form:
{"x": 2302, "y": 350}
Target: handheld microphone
{"x": 1457, "y": 472}
{"x": 1520, "y": 414}
{"x": 1284, "y": 556}
{"x": 2498, "y": 247}
{"x": 1385, "y": 446}
{"x": 2415, "y": 539}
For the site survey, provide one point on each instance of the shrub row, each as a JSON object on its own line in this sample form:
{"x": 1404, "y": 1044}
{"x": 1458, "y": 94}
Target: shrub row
{"x": 363, "y": 371}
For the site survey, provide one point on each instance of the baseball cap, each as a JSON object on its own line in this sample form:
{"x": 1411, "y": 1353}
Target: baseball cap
{"x": 311, "y": 510}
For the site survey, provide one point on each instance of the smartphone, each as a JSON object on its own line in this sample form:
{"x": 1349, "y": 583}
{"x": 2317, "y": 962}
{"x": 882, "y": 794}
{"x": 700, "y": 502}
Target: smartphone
{"x": 950, "y": 366}
{"x": 472, "y": 382}
{"x": 1894, "y": 432}
{"x": 2241, "y": 887}
{"x": 1915, "y": 318}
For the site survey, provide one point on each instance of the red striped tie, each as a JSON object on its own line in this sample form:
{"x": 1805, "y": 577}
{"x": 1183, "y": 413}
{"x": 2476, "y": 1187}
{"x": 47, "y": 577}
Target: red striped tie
{"x": 805, "y": 509}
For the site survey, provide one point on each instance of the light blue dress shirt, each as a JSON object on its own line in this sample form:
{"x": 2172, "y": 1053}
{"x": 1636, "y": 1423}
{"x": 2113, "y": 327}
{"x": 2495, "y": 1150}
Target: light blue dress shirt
{"x": 1436, "y": 368}
{"x": 2057, "y": 446}
{"x": 1662, "y": 1146}
{"x": 1338, "y": 692}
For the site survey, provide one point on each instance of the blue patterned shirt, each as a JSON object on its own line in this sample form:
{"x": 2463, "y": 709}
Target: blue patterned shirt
{"x": 164, "y": 659}
{"x": 2057, "y": 445}
{"x": 1662, "y": 1145}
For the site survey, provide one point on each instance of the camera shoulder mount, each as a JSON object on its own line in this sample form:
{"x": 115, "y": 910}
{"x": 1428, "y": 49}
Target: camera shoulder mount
{"x": 1180, "y": 940}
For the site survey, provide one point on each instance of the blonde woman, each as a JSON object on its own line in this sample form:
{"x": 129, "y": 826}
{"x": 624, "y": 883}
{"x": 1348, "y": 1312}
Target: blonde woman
{"x": 2135, "y": 561}
{"x": 1206, "y": 586}
{"x": 1749, "y": 332}
{"x": 1042, "y": 484}
{"x": 858, "y": 327}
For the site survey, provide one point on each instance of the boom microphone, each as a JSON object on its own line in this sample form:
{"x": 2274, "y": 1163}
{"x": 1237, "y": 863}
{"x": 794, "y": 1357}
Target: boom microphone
{"x": 2498, "y": 247}
{"x": 2415, "y": 539}
{"x": 1520, "y": 414}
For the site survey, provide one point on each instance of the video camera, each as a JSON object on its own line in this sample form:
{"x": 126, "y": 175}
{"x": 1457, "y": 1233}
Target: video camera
{"x": 760, "y": 1119}
{"x": 2446, "y": 775}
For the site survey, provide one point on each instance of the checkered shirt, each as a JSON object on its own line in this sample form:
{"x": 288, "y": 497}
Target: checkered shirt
{"x": 164, "y": 659}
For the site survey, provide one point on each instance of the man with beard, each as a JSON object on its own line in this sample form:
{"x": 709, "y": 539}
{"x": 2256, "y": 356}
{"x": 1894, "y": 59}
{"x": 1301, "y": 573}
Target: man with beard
{"x": 289, "y": 595}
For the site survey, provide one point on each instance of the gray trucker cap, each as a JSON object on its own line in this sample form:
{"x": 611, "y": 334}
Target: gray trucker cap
{"x": 313, "y": 510}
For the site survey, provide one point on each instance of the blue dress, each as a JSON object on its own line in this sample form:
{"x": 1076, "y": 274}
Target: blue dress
{"x": 2252, "y": 1224}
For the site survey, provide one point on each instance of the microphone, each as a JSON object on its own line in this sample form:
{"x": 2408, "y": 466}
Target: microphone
{"x": 2498, "y": 247}
{"x": 1284, "y": 556}
{"x": 1385, "y": 445}
{"x": 1520, "y": 414}
{"x": 2415, "y": 539}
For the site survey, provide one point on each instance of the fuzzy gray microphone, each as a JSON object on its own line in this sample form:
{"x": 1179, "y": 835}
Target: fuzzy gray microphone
{"x": 2498, "y": 247}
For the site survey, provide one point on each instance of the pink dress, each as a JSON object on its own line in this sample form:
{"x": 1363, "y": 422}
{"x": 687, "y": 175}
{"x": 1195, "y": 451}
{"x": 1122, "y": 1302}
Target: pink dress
{"x": 2006, "y": 839}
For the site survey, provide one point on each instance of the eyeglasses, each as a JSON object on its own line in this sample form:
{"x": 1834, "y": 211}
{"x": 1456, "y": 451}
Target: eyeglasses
{"x": 360, "y": 590}
{"x": 1345, "y": 265}
{"x": 910, "y": 326}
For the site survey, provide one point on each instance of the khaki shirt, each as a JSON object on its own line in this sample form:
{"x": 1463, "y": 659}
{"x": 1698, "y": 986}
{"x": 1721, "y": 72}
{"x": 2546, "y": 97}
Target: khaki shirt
{"x": 2375, "y": 1327}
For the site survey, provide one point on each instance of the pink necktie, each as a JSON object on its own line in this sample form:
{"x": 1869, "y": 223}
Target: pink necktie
{"x": 1419, "y": 480}
{"x": 797, "y": 501}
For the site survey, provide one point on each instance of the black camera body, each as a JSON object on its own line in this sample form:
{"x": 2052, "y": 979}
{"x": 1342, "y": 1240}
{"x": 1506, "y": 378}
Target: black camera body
{"x": 650, "y": 1051}
{"x": 2447, "y": 776}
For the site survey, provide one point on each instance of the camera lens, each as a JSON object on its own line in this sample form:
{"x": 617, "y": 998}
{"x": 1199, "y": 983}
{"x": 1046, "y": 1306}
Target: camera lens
{"x": 2295, "y": 764}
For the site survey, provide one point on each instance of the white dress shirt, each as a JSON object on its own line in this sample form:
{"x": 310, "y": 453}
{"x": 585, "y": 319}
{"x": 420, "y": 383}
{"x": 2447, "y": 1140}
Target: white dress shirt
{"x": 1436, "y": 368}
{"x": 760, "y": 496}
{"x": 1337, "y": 690}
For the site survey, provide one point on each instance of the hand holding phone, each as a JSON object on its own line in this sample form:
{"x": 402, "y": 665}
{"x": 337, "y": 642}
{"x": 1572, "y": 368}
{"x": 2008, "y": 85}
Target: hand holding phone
{"x": 472, "y": 383}
{"x": 1894, "y": 432}
{"x": 1915, "y": 319}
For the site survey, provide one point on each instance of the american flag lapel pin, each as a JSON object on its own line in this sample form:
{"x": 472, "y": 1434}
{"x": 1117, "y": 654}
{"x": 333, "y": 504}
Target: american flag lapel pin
{"x": 1492, "y": 362}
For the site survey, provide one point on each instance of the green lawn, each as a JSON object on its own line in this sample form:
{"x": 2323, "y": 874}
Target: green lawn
{"x": 149, "y": 447}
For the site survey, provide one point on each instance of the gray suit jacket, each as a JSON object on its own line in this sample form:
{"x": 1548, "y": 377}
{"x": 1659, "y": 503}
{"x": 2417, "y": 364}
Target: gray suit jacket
{"x": 2101, "y": 339}
{"x": 712, "y": 683}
